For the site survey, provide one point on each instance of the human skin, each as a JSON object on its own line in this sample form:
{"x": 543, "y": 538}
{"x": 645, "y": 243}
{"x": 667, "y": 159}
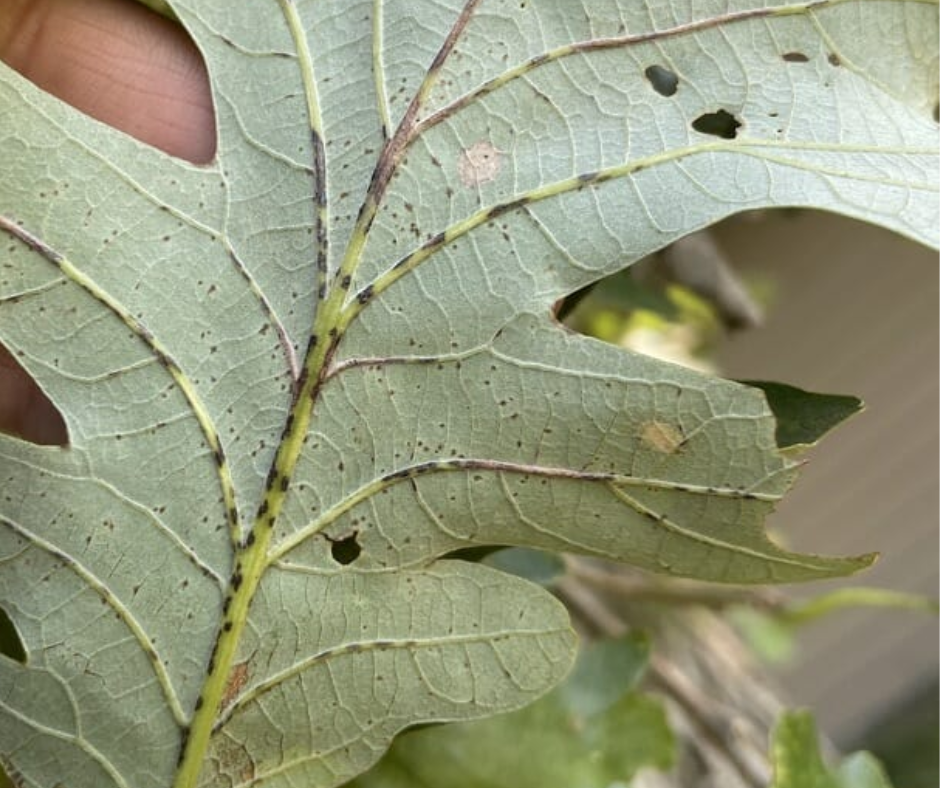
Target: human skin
{"x": 125, "y": 66}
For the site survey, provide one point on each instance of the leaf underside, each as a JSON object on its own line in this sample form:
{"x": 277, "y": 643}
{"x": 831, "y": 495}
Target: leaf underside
{"x": 297, "y": 378}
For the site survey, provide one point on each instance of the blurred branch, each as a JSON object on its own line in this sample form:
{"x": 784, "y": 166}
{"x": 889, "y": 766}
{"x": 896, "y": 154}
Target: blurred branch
{"x": 697, "y": 262}
{"x": 770, "y": 601}
{"x": 641, "y": 589}
{"x": 714, "y": 729}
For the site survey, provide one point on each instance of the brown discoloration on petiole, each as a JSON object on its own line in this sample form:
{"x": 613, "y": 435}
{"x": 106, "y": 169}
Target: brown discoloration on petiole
{"x": 237, "y": 679}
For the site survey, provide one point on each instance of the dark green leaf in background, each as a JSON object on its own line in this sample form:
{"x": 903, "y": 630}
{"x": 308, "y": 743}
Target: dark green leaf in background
{"x": 798, "y": 763}
{"x": 804, "y": 417}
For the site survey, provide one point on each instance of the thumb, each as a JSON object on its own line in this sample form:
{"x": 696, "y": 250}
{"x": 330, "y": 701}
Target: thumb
{"x": 125, "y": 66}
{"x": 118, "y": 62}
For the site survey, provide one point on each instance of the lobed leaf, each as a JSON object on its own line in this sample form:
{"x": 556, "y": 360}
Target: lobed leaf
{"x": 298, "y": 378}
{"x": 593, "y": 731}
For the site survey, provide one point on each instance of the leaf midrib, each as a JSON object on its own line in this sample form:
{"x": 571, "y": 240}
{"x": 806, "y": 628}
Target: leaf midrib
{"x": 463, "y": 464}
{"x": 251, "y": 557}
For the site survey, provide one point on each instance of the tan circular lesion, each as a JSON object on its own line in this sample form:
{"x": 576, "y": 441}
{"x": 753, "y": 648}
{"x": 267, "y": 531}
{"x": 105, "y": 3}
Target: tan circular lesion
{"x": 478, "y": 164}
{"x": 661, "y": 436}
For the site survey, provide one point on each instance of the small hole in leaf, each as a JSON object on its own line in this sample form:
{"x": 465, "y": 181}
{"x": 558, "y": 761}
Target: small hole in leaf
{"x": 345, "y": 551}
{"x": 25, "y": 411}
{"x": 834, "y": 59}
{"x": 664, "y": 81}
{"x": 718, "y": 124}
{"x": 795, "y": 57}
{"x": 474, "y": 554}
{"x": 936, "y": 113}
{"x": 11, "y": 644}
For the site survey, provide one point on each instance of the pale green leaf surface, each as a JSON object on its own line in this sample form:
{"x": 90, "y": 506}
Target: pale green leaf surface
{"x": 376, "y": 651}
{"x": 591, "y": 732}
{"x": 166, "y": 309}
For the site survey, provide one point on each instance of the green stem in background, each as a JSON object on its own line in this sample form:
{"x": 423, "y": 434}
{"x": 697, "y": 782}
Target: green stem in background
{"x": 804, "y": 612}
{"x": 769, "y": 601}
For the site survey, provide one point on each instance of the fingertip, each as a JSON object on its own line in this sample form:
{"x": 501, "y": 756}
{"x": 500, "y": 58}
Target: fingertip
{"x": 118, "y": 62}
{"x": 25, "y": 411}
{"x": 125, "y": 66}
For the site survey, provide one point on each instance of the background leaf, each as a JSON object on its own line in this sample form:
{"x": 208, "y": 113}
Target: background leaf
{"x": 534, "y": 565}
{"x": 799, "y": 764}
{"x": 804, "y": 417}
